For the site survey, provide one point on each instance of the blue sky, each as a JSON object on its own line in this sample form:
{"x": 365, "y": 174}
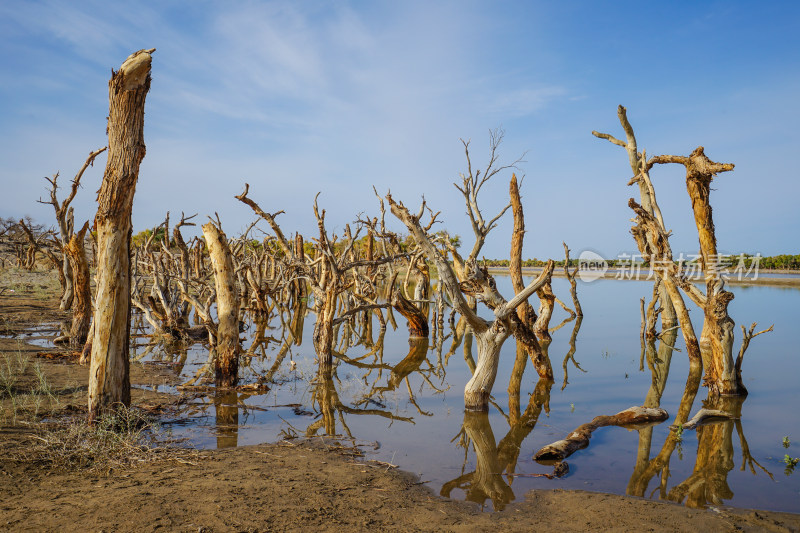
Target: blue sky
{"x": 301, "y": 97}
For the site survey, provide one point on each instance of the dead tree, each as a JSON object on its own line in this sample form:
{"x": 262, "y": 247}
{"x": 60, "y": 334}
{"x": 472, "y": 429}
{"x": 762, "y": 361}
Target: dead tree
{"x": 36, "y": 239}
{"x": 109, "y": 379}
{"x": 66, "y": 220}
{"x": 82, "y": 305}
{"x": 716, "y": 340}
{"x": 547, "y": 301}
{"x": 490, "y": 334}
{"x": 723, "y": 373}
{"x": 417, "y": 319}
{"x": 226, "y": 364}
{"x": 165, "y": 307}
{"x": 525, "y": 313}
{"x": 652, "y": 239}
{"x": 572, "y": 283}
{"x": 326, "y": 275}
{"x": 647, "y": 199}
{"x": 471, "y": 184}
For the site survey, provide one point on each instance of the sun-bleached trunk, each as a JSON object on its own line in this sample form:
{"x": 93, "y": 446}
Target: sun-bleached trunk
{"x": 226, "y": 363}
{"x": 109, "y": 379}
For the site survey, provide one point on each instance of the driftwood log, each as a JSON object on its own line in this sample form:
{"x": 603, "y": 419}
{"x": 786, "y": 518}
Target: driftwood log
{"x": 579, "y": 438}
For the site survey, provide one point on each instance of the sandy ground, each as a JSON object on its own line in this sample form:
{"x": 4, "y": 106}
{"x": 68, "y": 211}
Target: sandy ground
{"x": 288, "y": 486}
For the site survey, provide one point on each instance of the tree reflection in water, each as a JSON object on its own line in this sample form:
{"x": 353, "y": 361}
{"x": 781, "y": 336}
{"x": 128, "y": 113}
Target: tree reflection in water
{"x": 226, "y": 416}
{"x": 325, "y": 397}
{"x": 494, "y": 460}
{"x": 708, "y": 483}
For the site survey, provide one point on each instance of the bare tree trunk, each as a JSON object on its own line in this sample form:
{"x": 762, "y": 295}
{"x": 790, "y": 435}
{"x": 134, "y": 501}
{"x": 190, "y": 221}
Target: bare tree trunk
{"x": 82, "y": 305}
{"x": 64, "y": 217}
{"x": 717, "y": 334}
{"x": 573, "y": 286}
{"x": 647, "y": 197}
{"x": 547, "y": 301}
{"x": 109, "y": 379}
{"x": 417, "y": 322}
{"x": 653, "y": 243}
{"x": 68, "y": 287}
{"x": 525, "y": 312}
{"x": 226, "y": 364}
{"x": 323, "y": 336}
{"x": 299, "y": 285}
{"x": 490, "y": 335}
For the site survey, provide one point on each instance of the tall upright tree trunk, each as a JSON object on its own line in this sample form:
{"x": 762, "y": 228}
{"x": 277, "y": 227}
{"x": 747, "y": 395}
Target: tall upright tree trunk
{"x": 68, "y": 293}
{"x": 82, "y": 306}
{"x": 525, "y": 312}
{"x": 226, "y": 364}
{"x": 109, "y": 379}
{"x": 323, "y": 328}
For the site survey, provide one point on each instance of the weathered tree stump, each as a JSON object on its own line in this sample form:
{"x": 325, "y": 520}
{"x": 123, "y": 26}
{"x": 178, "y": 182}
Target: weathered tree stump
{"x": 226, "y": 363}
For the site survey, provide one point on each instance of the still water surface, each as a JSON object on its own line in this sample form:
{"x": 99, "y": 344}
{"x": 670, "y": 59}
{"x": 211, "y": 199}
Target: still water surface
{"x": 417, "y": 423}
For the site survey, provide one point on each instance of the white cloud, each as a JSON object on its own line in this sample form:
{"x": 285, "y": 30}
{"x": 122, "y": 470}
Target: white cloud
{"x": 526, "y": 101}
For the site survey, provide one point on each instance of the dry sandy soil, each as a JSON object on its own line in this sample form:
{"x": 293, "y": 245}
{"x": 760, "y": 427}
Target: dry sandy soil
{"x": 271, "y": 487}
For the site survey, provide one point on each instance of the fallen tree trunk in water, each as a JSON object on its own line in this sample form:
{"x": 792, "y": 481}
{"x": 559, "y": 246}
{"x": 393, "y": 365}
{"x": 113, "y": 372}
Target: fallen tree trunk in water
{"x": 579, "y": 438}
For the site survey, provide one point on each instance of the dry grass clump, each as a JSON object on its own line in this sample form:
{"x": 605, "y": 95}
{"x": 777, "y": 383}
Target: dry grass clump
{"x": 121, "y": 440}
{"x": 21, "y": 394}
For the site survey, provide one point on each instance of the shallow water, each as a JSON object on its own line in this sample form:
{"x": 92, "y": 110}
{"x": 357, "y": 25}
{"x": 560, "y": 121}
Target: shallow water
{"x": 611, "y": 378}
